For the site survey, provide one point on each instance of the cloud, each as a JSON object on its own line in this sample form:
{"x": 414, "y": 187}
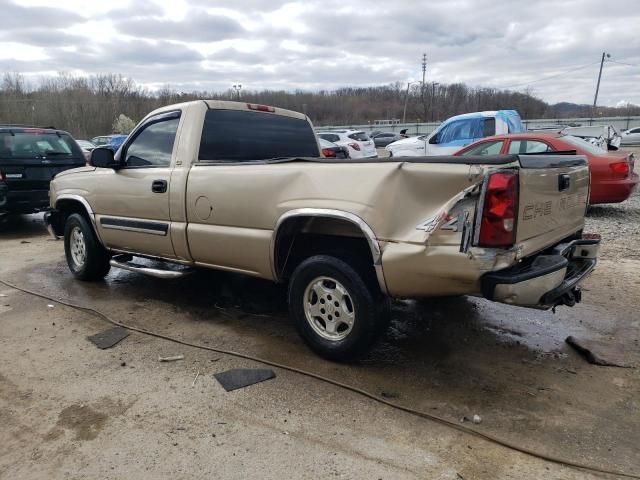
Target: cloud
{"x": 41, "y": 37}
{"x": 198, "y": 26}
{"x": 16, "y": 17}
{"x": 324, "y": 44}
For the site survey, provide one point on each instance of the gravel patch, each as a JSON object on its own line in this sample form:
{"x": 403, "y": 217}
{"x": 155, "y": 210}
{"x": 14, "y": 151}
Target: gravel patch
{"x": 618, "y": 224}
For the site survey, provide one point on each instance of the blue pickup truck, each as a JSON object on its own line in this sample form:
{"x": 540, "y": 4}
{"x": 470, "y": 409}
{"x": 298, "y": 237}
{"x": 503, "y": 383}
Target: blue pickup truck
{"x": 457, "y": 132}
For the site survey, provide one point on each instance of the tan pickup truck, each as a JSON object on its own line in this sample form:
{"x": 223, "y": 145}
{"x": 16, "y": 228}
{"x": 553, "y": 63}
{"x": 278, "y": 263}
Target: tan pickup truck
{"x": 244, "y": 188}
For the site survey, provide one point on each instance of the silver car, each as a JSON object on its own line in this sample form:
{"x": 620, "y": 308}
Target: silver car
{"x": 631, "y": 137}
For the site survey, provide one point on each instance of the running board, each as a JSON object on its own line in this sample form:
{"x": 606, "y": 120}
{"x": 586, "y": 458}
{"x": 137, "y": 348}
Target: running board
{"x": 124, "y": 262}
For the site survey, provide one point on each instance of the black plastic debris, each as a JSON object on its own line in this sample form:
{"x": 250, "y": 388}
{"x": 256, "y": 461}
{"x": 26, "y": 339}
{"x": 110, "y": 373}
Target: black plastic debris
{"x": 109, "y": 338}
{"x": 243, "y": 377}
{"x": 599, "y": 352}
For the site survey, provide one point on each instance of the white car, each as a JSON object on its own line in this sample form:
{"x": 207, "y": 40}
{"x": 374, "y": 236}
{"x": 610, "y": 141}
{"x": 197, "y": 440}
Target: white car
{"x": 631, "y": 136}
{"x": 605, "y": 137}
{"x": 357, "y": 141}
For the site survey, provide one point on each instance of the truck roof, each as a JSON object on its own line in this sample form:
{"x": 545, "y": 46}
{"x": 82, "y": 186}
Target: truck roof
{"x": 229, "y": 105}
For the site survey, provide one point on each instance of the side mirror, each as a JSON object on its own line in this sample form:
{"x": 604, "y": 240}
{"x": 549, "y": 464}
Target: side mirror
{"x": 102, "y": 157}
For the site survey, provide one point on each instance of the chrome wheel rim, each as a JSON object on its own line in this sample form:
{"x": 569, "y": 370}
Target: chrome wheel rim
{"x": 329, "y": 309}
{"x": 77, "y": 247}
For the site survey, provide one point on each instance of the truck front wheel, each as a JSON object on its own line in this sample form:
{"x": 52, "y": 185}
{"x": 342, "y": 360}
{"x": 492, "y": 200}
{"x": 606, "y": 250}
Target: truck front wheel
{"x": 86, "y": 257}
{"x": 336, "y": 308}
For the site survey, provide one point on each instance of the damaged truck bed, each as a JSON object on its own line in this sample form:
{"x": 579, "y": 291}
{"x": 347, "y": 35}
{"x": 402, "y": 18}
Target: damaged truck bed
{"x": 242, "y": 187}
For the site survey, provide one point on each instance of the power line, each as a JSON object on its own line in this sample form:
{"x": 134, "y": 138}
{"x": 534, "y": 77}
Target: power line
{"x": 623, "y": 63}
{"x": 552, "y": 76}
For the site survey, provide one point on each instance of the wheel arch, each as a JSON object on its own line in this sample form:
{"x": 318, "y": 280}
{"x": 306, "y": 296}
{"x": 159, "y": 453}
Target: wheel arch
{"x": 67, "y": 204}
{"x": 294, "y": 221}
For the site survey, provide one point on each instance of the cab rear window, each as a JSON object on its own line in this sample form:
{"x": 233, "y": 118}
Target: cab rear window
{"x": 242, "y": 136}
{"x": 34, "y": 145}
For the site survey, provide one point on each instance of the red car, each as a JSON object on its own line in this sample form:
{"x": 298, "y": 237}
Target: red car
{"x": 612, "y": 175}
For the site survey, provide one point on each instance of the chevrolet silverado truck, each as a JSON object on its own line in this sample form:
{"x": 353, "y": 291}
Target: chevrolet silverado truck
{"x": 243, "y": 188}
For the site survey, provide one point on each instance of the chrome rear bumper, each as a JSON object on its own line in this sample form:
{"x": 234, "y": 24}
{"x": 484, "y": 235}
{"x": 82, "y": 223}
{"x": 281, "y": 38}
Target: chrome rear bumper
{"x": 545, "y": 280}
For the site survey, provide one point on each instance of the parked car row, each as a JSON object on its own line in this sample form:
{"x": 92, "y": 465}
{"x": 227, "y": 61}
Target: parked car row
{"x": 30, "y": 156}
{"x": 357, "y": 142}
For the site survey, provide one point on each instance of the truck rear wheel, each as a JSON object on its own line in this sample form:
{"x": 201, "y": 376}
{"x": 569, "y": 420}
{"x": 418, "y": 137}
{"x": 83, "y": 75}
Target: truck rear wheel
{"x": 86, "y": 257}
{"x": 337, "y": 310}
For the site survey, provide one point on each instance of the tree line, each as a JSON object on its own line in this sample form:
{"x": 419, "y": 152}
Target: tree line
{"x": 91, "y": 105}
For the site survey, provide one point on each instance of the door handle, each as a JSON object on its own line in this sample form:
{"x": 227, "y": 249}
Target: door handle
{"x": 159, "y": 186}
{"x": 564, "y": 182}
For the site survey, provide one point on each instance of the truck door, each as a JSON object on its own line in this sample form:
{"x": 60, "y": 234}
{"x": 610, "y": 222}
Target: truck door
{"x": 132, "y": 203}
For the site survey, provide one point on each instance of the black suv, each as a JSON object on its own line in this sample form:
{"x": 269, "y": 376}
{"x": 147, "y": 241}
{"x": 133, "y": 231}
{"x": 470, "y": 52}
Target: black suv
{"x": 29, "y": 158}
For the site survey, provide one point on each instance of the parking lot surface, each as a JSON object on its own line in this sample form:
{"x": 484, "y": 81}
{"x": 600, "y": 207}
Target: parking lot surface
{"x": 69, "y": 410}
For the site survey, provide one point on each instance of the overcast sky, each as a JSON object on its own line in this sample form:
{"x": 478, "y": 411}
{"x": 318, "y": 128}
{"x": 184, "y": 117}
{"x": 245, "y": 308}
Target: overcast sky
{"x": 314, "y": 44}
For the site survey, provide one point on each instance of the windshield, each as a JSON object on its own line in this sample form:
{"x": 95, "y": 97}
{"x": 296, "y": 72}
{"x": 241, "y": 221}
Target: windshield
{"x": 583, "y": 144}
{"x": 37, "y": 144}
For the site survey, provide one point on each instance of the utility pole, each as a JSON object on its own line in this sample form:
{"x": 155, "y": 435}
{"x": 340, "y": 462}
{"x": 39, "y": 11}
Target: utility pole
{"x": 432, "y": 101}
{"x": 595, "y": 98}
{"x": 424, "y": 72}
{"x": 406, "y": 99}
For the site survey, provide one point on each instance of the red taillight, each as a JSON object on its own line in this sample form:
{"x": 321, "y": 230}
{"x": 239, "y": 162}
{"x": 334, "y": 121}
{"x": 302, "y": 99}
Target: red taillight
{"x": 620, "y": 169}
{"x": 498, "y": 222}
{"x": 1, "y": 176}
{"x": 327, "y": 152}
{"x": 355, "y": 146}
{"x": 260, "y": 108}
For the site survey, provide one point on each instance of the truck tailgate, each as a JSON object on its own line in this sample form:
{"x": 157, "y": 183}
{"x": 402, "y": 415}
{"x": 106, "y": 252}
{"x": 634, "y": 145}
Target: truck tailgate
{"x": 554, "y": 191}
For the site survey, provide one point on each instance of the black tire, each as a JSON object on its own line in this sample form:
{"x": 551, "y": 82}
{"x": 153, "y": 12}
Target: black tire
{"x": 96, "y": 258}
{"x": 369, "y": 307}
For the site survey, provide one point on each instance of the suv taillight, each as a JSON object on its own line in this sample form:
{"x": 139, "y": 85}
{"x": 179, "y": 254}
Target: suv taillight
{"x": 1, "y": 176}
{"x": 499, "y": 212}
{"x": 355, "y": 146}
{"x": 327, "y": 152}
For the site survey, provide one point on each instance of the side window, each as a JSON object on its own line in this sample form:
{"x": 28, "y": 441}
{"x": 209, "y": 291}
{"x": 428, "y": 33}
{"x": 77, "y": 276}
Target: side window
{"x": 486, "y": 148}
{"x": 635, "y": 130}
{"x": 528, "y": 146}
{"x": 359, "y": 136}
{"x": 489, "y": 127}
{"x": 466, "y": 129}
{"x": 153, "y": 146}
{"x": 330, "y": 137}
